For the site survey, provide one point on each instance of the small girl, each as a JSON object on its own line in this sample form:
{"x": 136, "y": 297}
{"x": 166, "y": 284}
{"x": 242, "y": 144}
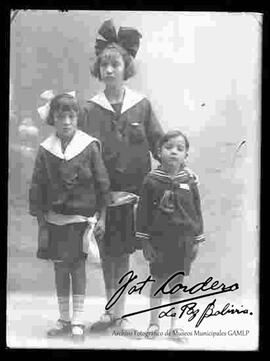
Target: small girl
{"x": 69, "y": 185}
{"x": 125, "y": 122}
{"x": 169, "y": 221}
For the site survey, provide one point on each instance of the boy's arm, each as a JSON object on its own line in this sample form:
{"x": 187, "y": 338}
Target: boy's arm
{"x": 200, "y": 237}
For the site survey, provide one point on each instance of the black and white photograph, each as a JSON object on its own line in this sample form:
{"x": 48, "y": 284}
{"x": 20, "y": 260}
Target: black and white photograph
{"x": 134, "y": 180}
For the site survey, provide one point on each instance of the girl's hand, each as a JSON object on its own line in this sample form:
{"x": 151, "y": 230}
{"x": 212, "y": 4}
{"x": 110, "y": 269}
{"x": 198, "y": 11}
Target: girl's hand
{"x": 148, "y": 251}
{"x": 41, "y": 218}
{"x": 99, "y": 229}
{"x": 194, "y": 251}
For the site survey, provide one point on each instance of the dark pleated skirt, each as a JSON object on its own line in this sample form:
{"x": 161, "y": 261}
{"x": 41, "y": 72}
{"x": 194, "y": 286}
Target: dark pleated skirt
{"x": 63, "y": 242}
{"x": 119, "y": 236}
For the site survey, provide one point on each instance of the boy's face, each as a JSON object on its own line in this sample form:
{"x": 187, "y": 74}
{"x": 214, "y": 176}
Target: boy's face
{"x": 66, "y": 123}
{"x": 112, "y": 67}
{"x": 173, "y": 153}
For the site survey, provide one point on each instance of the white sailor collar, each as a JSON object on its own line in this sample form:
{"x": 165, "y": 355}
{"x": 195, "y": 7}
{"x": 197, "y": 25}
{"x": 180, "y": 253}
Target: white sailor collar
{"x": 160, "y": 173}
{"x": 77, "y": 144}
{"x": 184, "y": 175}
{"x": 131, "y": 98}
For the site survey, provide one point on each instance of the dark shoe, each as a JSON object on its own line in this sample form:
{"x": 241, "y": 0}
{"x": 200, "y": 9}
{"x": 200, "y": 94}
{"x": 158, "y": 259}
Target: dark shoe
{"x": 106, "y": 321}
{"x": 152, "y": 331}
{"x": 176, "y": 335}
{"x": 77, "y": 332}
{"x": 62, "y": 328}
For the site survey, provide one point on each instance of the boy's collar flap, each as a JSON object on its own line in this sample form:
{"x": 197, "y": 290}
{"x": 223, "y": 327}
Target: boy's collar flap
{"x": 182, "y": 176}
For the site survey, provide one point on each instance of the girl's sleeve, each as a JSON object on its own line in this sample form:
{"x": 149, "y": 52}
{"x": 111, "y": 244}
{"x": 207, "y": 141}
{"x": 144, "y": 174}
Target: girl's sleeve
{"x": 83, "y": 117}
{"x": 200, "y": 237}
{"x": 38, "y": 187}
{"x": 101, "y": 176}
{"x": 89, "y": 121}
{"x": 144, "y": 211}
{"x": 153, "y": 131}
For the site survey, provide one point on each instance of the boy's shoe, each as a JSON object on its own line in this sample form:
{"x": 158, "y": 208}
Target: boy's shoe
{"x": 152, "y": 331}
{"x": 176, "y": 335}
{"x": 62, "y": 328}
{"x": 77, "y": 332}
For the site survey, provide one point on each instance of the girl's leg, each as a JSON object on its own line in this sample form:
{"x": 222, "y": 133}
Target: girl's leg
{"x": 108, "y": 275}
{"x": 155, "y": 301}
{"x": 121, "y": 267}
{"x": 78, "y": 276}
{"x": 62, "y": 282}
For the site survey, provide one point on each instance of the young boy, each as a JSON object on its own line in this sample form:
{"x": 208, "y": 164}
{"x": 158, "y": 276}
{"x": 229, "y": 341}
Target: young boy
{"x": 169, "y": 220}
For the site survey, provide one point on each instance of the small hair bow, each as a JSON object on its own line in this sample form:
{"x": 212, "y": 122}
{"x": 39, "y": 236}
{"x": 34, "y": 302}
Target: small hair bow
{"x": 48, "y": 95}
{"x": 128, "y": 38}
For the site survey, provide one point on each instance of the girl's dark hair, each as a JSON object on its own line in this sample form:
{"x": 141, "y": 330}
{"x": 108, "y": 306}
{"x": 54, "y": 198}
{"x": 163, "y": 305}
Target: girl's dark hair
{"x": 62, "y": 103}
{"x": 173, "y": 134}
{"x": 128, "y": 61}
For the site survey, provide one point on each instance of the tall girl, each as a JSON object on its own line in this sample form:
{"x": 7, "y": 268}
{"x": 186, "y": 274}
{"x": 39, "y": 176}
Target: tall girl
{"x": 125, "y": 123}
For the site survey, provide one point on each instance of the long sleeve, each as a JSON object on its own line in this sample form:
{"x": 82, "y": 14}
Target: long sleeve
{"x": 89, "y": 123}
{"x": 154, "y": 132}
{"x": 144, "y": 211}
{"x": 38, "y": 187}
{"x": 101, "y": 176}
{"x": 200, "y": 236}
{"x": 83, "y": 120}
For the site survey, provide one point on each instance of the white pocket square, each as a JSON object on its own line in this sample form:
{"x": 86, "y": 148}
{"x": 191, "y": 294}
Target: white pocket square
{"x": 184, "y": 186}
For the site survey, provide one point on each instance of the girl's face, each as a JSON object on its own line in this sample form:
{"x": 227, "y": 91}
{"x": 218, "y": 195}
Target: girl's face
{"x": 173, "y": 153}
{"x": 112, "y": 68}
{"x": 66, "y": 123}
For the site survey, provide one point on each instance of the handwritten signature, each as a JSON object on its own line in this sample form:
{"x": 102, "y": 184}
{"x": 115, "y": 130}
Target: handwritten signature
{"x": 190, "y": 308}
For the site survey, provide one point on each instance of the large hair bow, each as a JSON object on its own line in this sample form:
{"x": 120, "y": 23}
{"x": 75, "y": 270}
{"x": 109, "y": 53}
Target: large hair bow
{"x": 48, "y": 95}
{"x": 128, "y": 38}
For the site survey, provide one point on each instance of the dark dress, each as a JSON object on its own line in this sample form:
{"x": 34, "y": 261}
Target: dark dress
{"x": 71, "y": 183}
{"x": 128, "y": 132}
{"x": 170, "y": 218}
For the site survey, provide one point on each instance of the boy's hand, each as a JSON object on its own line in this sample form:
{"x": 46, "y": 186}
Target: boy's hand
{"x": 99, "y": 229}
{"x": 194, "y": 251}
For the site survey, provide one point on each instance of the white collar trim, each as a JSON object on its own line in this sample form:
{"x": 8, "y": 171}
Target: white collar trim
{"x": 131, "y": 98}
{"x": 77, "y": 144}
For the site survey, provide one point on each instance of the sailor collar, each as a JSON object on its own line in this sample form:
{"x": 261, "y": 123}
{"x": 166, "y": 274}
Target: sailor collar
{"x": 181, "y": 176}
{"x": 131, "y": 98}
{"x": 77, "y": 144}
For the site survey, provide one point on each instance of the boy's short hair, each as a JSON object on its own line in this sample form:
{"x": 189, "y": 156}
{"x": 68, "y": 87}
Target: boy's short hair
{"x": 130, "y": 70}
{"x": 173, "y": 134}
{"x": 62, "y": 103}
